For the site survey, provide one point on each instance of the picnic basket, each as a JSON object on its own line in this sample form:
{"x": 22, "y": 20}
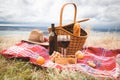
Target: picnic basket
{"x": 76, "y": 43}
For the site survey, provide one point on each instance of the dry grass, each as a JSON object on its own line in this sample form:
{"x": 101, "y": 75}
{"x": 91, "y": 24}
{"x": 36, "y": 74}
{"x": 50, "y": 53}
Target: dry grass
{"x": 108, "y": 40}
{"x": 21, "y": 70}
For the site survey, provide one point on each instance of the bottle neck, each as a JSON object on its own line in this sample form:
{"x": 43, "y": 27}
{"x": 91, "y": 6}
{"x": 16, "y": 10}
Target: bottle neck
{"x": 53, "y": 27}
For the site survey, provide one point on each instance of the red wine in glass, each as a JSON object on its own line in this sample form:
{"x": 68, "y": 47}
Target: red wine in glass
{"x": 64, "y": 44}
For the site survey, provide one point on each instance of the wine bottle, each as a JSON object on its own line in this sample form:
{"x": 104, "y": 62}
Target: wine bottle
{"x": 52, "y": 40}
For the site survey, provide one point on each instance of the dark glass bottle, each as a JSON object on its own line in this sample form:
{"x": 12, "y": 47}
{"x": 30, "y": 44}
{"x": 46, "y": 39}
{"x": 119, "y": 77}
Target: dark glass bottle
{"x": 52, "y": 40}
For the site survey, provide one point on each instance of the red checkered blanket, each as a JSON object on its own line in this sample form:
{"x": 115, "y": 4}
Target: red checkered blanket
{"x": 105, "y": 60}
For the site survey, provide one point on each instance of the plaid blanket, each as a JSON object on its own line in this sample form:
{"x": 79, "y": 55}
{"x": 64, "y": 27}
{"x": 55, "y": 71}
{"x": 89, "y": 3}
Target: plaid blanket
{"x": 107, "y": 61}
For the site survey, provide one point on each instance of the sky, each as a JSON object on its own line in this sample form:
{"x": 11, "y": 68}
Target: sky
{"x": 102, "y": 13}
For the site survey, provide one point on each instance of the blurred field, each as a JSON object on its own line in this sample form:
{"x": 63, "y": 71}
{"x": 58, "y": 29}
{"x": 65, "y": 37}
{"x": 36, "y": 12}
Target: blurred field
{"x": 108, "y": 40}
{"x": 22, "y": 70}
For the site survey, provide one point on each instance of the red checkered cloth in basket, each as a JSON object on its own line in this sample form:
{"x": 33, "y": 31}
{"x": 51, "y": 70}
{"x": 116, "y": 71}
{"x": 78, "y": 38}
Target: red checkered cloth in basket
{"x": 105, "y": 60}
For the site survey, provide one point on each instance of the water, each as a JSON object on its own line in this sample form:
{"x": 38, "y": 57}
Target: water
{"x": 25, "y": 30}
{"x": 21, "y": 30}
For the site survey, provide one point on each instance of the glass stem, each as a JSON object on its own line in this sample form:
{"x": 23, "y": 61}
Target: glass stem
{"x": 65, "y": 52}
{"x": 62, "y": 51}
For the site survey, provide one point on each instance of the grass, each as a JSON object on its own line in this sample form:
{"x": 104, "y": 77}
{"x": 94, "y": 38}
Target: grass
{"x": 17, "y": 69}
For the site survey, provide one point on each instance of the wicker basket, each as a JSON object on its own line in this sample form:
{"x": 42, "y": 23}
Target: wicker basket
{"x": 76, "y": 43}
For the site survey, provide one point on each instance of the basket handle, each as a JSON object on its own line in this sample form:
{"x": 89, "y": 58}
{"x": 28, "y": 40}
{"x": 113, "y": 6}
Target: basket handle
{"x": 75, "y": 12}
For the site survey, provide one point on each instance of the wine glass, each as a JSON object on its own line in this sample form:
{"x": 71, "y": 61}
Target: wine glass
{"x": 59, "y": 39}
{"x": 63, "y": 42}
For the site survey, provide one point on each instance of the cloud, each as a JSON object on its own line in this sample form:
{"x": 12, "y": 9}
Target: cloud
{"x": 101, "y": 13}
